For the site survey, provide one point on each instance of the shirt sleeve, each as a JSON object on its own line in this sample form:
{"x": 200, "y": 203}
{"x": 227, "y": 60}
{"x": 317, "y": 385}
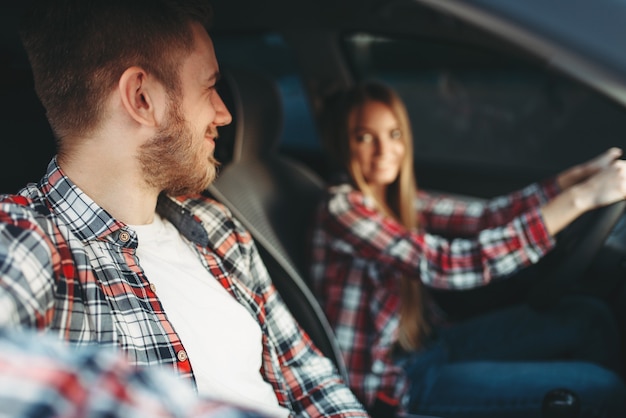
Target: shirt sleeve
{"x": 450, "y": 216}
{"x": 495, "y": 252}
{"x": 27, "y": 261}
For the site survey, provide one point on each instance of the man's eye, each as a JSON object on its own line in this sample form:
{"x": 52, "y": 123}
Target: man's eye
{"x": 396, "y": 134}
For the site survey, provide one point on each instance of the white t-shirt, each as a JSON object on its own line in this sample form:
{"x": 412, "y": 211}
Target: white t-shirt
{"x": 222, "y": 339}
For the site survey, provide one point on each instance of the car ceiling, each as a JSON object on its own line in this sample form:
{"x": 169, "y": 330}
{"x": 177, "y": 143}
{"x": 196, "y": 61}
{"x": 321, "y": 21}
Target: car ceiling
{"x": 585, "y": 40}
{"x": 596, "y": 29}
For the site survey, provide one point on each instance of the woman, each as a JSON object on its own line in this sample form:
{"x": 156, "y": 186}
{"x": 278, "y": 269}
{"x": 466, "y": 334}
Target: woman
{"x": 374, "y": 248}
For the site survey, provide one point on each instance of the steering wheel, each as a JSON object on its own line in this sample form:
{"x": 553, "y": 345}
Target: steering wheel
{"x": 576, "y": 247}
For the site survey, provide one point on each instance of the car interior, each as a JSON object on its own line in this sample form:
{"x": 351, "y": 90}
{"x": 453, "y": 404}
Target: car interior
{"x": 272, "y": 196}
{"x": 489, "y": 115}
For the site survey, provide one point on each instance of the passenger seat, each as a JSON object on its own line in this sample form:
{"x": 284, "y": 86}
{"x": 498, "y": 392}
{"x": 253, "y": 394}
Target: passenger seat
{"x": 272, "y": 196}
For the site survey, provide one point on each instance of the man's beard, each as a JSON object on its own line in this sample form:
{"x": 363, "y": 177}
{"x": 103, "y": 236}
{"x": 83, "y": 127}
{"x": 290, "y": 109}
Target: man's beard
{"x": 170, "y": 162}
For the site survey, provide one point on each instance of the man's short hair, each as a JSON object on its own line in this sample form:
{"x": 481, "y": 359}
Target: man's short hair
{"x": 78, "y": 49}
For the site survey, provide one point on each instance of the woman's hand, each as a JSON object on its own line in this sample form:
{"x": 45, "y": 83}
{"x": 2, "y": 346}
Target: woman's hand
{"x": 597, "y": 183}
{"x": 581, "y": 172}
{"x": 603, "y": 188}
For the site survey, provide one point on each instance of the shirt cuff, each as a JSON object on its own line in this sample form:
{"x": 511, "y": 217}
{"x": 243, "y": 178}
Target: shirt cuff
{"x": 550, "y": 187}
{"x": 537, "y": 235}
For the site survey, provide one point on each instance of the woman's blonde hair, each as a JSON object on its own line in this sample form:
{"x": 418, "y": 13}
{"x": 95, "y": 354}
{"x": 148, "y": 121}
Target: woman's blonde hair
{"x": 401, "y": 194}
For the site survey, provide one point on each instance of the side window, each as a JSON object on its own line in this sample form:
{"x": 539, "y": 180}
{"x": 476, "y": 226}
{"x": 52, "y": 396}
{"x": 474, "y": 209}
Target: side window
{"x": 27, "y": 136}
{"x": 474, "y": 109}
{"x": 268, "y": 54}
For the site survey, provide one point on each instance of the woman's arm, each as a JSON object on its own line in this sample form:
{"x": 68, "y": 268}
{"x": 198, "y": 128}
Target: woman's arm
{"x": 457, "y": 217}
{"x": 354, "y": 227}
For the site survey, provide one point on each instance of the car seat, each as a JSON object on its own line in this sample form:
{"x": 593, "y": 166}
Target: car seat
{"x": 272, "y": 196}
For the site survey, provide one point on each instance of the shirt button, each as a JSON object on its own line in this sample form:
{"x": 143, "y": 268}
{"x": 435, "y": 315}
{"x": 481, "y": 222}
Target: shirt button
{"x": 153, "y": 287}
{"x": 124, "y": 236}
{"x": 182, "y": 355}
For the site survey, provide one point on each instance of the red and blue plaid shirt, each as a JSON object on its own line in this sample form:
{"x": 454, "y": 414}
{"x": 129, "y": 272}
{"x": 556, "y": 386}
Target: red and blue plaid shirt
{"x": 359, "y": 254}
{"x": 68, "y": 267}
{"x": 41, "y": 377}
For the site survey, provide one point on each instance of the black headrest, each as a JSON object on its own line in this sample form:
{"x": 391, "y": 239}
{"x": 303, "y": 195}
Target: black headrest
{"x": 255, "y": 104}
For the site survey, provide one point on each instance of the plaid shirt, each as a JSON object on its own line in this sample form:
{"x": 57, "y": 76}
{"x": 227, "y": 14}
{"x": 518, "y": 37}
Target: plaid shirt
{"x": 40, "y": 377}
{"x": 67, "y": 266}
{"x": 358, "y": 256}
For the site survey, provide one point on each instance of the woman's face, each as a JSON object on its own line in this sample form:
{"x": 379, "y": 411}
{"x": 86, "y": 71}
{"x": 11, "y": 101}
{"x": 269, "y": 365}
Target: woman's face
{"x": 376, "y": 143}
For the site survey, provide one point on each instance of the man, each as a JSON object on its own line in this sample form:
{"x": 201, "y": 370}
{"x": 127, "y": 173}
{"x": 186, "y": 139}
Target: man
{"x": 116, "y": 246}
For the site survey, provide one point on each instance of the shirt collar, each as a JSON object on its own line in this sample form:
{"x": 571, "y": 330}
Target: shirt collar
{"x": 79, "y": 212}
{"x": 88, "y": 221}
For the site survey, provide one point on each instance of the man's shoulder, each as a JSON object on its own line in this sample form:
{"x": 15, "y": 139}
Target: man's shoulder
{"x": 26, "y": 205}
{"x": 26, "y": 225}
{"x": 204, "y": 206}
{"x": 217, "y": 219}
{"x": 14, "y": 199}
{"x": 224, "y": 231}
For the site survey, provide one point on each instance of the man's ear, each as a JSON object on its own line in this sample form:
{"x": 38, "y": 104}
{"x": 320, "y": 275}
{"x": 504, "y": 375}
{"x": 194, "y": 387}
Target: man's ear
{"x": 141, "y": 96}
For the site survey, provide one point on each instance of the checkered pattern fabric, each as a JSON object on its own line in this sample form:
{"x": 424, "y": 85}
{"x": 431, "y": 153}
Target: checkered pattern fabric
{"x": 68, "y": 267}
{"x": 358, "y": 256}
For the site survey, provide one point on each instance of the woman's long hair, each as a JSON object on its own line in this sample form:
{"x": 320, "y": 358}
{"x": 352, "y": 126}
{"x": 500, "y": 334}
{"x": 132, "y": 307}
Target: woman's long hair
{"x": 401, "y": 194}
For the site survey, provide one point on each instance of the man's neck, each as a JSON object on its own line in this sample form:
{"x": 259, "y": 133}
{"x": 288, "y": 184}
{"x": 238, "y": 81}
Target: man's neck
{"x": 114, "y": 183}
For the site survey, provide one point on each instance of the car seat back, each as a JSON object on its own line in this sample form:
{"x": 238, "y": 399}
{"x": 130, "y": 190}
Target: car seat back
{"x": 272, "y": 196}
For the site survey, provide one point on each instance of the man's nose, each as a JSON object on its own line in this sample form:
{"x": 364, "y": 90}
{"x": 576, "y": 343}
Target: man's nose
{"x": 222, "y": 115}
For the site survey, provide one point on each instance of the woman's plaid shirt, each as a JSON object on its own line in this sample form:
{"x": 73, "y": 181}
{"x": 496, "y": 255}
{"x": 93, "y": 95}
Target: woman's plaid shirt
{"x": 358, "y": 255}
